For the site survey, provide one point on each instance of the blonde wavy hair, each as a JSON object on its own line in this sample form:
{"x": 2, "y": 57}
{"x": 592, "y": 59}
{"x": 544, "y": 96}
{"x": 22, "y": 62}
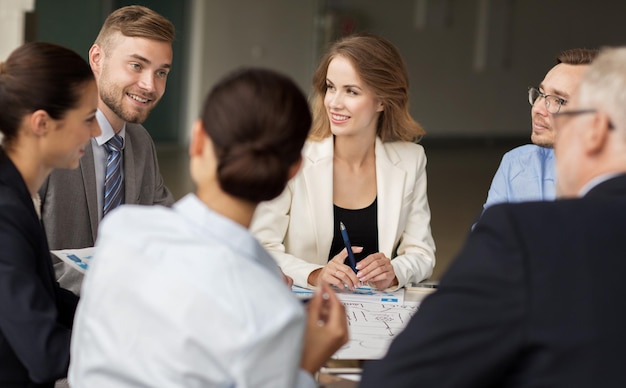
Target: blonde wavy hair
{"x": 381, "y": 67}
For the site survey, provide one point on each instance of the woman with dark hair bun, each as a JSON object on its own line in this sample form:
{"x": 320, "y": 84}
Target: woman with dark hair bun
{"x": 48, "y": 97}
{"x": 187, "y": 296}
{"x": 257, "y": 148}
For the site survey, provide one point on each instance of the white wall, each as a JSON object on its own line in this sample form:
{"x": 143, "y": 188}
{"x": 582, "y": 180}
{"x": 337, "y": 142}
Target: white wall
{"x": 449, "y": 96}
{"x": 12, "y": 15}
{"x": 12, "y": 26}
{"x": 277, "y": 34}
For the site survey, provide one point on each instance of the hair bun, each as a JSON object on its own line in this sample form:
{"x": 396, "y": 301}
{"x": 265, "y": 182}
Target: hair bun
{"x": 254, "y": 167}
{"x": 257, "y": 120}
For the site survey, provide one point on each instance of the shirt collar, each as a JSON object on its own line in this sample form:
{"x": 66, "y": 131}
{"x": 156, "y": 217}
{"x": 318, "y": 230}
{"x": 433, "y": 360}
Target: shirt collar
{"x": 596, "y": 181}
{"x": 210, "y": 224}
{"x": 107, "y": 130}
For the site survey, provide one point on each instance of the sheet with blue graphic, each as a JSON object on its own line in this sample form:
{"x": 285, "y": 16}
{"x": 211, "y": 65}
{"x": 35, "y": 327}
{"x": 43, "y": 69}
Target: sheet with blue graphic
{"x": 78, "y": 259}
{"x": 374, "y": 318}
{"x": 364, "y": 294}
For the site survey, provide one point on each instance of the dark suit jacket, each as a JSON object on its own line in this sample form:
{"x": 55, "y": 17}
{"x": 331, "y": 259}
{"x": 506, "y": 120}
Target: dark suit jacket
{"x": 534, "y": 299}
{"x": 70, "y": 201}
{"x": 35, "y": 314}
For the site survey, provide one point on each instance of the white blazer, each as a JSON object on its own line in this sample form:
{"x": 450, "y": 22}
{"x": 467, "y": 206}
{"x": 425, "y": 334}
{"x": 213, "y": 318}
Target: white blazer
{"x": 297, "y": 226}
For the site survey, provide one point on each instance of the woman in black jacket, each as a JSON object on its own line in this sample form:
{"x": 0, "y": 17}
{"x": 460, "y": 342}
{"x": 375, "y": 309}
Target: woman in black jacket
{"x": 49, "y": 98}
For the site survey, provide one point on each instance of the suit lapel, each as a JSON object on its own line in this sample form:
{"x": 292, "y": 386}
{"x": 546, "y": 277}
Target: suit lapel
{"x": 319, "y": 191}
{"x": 390, "y": 192}
{"x": 88, "y": 171}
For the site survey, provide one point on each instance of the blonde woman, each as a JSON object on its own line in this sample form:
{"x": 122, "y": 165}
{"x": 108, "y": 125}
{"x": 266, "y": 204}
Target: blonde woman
{"x": 362, "y": 168}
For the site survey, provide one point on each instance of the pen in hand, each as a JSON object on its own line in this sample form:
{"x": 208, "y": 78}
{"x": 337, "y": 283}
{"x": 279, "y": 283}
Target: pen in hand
{"x": 346, "y": 242}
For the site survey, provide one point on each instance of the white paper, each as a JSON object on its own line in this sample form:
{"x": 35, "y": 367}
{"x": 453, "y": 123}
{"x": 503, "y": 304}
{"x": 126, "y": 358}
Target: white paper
{"x": 372, "y": 327}
{"x": 372, "y": 324}
{"x": 78, "y": 259}
{"x": 369, "y": 295}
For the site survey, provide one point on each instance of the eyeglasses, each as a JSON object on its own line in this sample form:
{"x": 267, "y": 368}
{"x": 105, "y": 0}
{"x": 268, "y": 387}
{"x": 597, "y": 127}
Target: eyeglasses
{"x": 570, "y": 113}
{"x": 553, "y": 103}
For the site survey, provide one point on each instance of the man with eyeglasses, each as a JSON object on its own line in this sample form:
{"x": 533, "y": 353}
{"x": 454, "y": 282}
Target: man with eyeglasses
{"x": 526, "y": 173}
{"x": 535, "y": 297}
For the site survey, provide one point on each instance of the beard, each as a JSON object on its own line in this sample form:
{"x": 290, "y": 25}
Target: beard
{"x": 114, "y": 97}
{"x": 541, "y": 141}
{"x": 544, "y": 138}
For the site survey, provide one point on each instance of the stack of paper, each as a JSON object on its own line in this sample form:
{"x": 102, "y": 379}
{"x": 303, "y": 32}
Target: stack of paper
{"x": 374, "y": 319}
{"x": 367, "y": 294}
{"x": 364, "y": 294}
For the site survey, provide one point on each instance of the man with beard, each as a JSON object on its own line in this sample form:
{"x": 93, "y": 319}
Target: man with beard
{"x": 130, "y": 59}
{"x": 526, "y": 173}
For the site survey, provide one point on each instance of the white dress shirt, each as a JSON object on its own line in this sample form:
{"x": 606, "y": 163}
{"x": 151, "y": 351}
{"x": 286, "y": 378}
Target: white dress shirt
{"x": 184, "y": 297}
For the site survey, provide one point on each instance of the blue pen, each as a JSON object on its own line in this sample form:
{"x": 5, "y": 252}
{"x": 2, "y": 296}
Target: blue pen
{"x": 346, "y": 241}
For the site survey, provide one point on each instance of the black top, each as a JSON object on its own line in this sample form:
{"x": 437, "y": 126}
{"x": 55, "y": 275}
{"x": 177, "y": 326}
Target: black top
{"x": 362, "y": 227}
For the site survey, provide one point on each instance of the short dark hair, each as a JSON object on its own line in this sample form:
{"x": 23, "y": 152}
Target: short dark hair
{"x": 36, "y": 76}
{"x": 577, "y": 56}
{"x": 258, "y": 121}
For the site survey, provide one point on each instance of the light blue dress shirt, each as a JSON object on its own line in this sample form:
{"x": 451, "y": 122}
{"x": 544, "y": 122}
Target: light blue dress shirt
{"x": 526, "y": 173}
{"x": 184, "y": 297}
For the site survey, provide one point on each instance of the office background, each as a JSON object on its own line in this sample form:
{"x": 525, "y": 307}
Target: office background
{"x": 470, "y": 63}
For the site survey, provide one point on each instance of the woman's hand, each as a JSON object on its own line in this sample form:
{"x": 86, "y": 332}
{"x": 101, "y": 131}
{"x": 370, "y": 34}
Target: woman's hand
{"x": 376, "y": 269}
{"x": 326, "y": 329}
{"x": 336, "y": 272}
{"x": 287, "y": 279}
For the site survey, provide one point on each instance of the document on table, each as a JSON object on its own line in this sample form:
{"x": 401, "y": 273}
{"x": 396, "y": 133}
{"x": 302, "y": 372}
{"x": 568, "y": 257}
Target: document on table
{"x": 374, "y": 319}
{"x": 360, "y": 294}
{"x": 372, "y": 327}
{"x": 301, "y": 292}
{"x": 367, "y": 294}
{"x": 78, "y": 259}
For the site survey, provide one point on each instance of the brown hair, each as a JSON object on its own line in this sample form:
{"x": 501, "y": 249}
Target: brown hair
{"x": 577, "y": 56}
{"x": 36, "y": 76}
{"x": 258, "y": 121}
{"x": 381, "y": 67}
{"x": 138, "y": 22}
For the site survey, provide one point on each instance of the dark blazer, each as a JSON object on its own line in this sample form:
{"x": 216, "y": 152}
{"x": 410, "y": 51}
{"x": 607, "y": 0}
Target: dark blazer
{"x": 35, "y": 314}
{"x": 70, "y": 201}
{"x": 534, "y": 299}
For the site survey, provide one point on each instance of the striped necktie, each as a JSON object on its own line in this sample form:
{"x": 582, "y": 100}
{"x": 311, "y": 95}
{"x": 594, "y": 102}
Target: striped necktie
{"x": 113, "y": 183}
